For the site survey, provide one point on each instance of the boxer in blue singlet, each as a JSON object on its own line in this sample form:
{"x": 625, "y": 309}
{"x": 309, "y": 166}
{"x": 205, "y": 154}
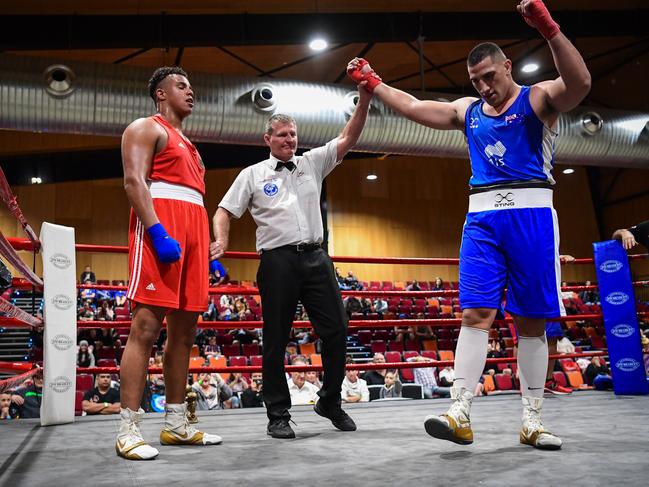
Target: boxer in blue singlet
{"x": 511, "y": 236}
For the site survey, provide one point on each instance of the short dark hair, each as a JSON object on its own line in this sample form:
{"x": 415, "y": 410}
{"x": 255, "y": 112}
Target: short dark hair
{"x": 159, "y": 75}
{"x": 481, "y": 51}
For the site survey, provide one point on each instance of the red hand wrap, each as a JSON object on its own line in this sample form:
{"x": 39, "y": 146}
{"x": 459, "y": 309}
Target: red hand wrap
{"x": 358, "y": 75}
{"x": 539, "y": 17}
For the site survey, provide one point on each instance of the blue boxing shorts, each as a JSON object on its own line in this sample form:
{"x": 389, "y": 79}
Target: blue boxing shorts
{"x": 553, "y": 329}
{"x": 511, "y": 241}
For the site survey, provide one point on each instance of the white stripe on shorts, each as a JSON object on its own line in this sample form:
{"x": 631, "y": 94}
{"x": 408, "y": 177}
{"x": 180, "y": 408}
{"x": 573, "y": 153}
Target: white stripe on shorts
{"x": 137, "y": 259}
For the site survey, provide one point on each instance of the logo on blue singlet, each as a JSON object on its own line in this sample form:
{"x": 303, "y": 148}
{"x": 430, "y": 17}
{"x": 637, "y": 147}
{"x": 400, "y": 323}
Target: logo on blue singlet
{"x": 270, "y": 189}
{"x": 627, "y": 364}
{"x": 611, "y": 266}
{"x": 622, "y": 330}
{"x": 617, "y": 298}
{"x": 495, "y": 153}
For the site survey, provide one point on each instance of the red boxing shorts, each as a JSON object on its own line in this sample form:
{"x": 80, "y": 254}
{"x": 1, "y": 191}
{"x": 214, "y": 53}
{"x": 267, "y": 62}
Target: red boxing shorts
{"x": 181, "y": 285}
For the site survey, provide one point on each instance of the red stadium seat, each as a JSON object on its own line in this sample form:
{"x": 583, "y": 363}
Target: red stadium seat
{"x": 395, "y": 346}
{"x": 78, "y": 400}
{"x": 504, "y": 382}
{"x": 256, "y": 360}
{"x": 378, "y": 346}
{"x": 393, "y": 356}
{"x": 231, "y": 350}
{"x": 106, "y": 363}
{"x": 85, "y": 382}
{"x": 251, "y": 349}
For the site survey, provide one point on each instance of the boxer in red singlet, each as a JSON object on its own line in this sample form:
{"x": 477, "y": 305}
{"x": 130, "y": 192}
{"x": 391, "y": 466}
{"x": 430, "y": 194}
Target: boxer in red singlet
{"x": 168, "y": 260}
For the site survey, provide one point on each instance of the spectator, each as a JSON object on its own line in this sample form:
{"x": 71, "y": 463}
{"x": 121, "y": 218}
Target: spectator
{"x": 447, "y": 376}
{"x": 352, "y": 282}
{"x": 380, "y": 306}
{"x": 28, "y": 398}
{"x": 252, "y": 397}
{"x": 85, "y": 358}
{"x": 106, "y": 312}
{"x": 377, "y": 376}
{"x": 312, "y": 377}
{"x": 241, "y": 309}
{"x": 493, "y": 351}
{"x": 354, "y": 389}
{"x": 157, "y": 381}
{"x": 301, "y": 391}
{"x": 237, "y": 383}
{"x": 211, "y": 349}
{"x": 392, "y": 386}
{"x": 119, "y": 296}
{"x": 212, "y": 392}
{"x": 366, "y": 306}
{"x": 439, "y": 284}
{"x": 219, "y": 275}
{"x": 589, "y": 297}
{"x": 87, "y": 311}
{"x": 88, "y": 293}
{"x": 425, "y": 376}
{"x": 645, "y": 351}
{"x": 404, "y": 333}
{"x": 103, "y": 399}
{"x": 413, "y": 286}
{"x": 424, "y": 332}
{"x": 352, "y": 305}
{"x": 598, "y": 375}
{"x": 291, "y": 352}
{"x": 88, "y": 276}
{"x": 565, "y": 346}
{"x": 5, "y": 406}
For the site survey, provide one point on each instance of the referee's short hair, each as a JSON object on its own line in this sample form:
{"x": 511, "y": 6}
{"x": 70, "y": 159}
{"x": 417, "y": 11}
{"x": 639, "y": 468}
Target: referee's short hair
{"x": 279, "y": 118}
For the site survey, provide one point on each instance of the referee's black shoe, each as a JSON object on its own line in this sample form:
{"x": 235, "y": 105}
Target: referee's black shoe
{"x": 279, "y": 428}
{"x": 339, "y": 418}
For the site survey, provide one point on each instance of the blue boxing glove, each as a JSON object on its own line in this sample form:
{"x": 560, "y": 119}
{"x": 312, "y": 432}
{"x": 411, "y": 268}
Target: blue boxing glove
{"x": 215, "y": 266}
{"x": 167, "y": 248}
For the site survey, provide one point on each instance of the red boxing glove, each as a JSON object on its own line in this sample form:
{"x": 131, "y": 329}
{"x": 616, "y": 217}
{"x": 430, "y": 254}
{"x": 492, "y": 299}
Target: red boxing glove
{"x": 363, "y": 72}
{"x": 539, "y": 17}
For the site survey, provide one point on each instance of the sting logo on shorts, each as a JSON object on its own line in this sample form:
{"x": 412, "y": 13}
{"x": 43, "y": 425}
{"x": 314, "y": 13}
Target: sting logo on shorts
{"x": 270, "y": 189}
{"x": 617, "y": 298}
{"x": 503, "y": 200}
{"x": 622, "y": 330}
{"x": 611, "y": 266}
{"x": 627, "y": 364}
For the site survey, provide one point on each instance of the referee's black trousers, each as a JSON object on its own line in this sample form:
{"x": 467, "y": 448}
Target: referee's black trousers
{"x": 284, "y": 277}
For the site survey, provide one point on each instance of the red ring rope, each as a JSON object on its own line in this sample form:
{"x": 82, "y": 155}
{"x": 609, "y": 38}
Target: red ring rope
{"x": 307, "y": 368}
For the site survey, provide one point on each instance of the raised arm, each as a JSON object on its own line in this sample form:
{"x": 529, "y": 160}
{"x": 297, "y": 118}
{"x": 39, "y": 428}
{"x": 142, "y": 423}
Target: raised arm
{"x": 354, "y": 127}
{"x": 434, "y": 114}
{"x": 573, "y": 84}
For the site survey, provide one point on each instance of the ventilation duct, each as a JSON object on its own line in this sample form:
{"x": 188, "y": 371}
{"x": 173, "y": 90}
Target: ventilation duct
{"x": 41, "y": 95}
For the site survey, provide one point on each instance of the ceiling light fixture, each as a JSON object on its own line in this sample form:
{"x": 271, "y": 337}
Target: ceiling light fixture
{"x": 530, "y": 68}
{"x": 568, "y": 171}
{"x": 37, "y": 180}
{"x": 371, "y": 177}
{"x": 318, "y": 44}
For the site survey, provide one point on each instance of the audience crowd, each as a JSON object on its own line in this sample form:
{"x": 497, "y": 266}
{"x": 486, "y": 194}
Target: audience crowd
{"x": 102, "y": 346}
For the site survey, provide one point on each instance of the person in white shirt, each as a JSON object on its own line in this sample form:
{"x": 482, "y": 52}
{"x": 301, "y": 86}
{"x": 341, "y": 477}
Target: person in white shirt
{"x": 302, "y": 392}
{"x": 354, "y": 389}
{"x": 283, "y": 195}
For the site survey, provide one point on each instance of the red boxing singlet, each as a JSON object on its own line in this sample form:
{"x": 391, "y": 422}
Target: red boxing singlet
{"x": 179, "y": 162}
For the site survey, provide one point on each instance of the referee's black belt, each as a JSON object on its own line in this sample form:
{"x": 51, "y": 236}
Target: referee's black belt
{"x": 299, "y": 248}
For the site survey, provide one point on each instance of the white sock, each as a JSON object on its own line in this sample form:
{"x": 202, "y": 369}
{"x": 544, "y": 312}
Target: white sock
{"x": 470, "y": 357}
{"x": 532, "y": 364}
{"x": 174, "y": 416}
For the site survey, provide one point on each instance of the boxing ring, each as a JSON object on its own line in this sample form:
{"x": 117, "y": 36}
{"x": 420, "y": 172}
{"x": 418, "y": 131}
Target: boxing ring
{"x": 603, "y": 433}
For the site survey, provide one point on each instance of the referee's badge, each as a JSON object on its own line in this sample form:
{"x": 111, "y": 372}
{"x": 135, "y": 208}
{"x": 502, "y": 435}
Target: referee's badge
{"x": 270, "y": 189}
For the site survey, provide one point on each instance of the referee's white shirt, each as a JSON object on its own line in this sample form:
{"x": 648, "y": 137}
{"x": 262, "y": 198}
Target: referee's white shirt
{"x": 284, "y": 204}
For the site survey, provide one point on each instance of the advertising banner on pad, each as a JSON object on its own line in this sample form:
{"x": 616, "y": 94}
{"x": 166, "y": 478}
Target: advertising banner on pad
{"x": 620, "y": 318}
{"x": 60, "y": 316}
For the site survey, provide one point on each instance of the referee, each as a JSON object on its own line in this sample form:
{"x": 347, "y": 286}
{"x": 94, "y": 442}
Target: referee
{"x": 283, "y": 196}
